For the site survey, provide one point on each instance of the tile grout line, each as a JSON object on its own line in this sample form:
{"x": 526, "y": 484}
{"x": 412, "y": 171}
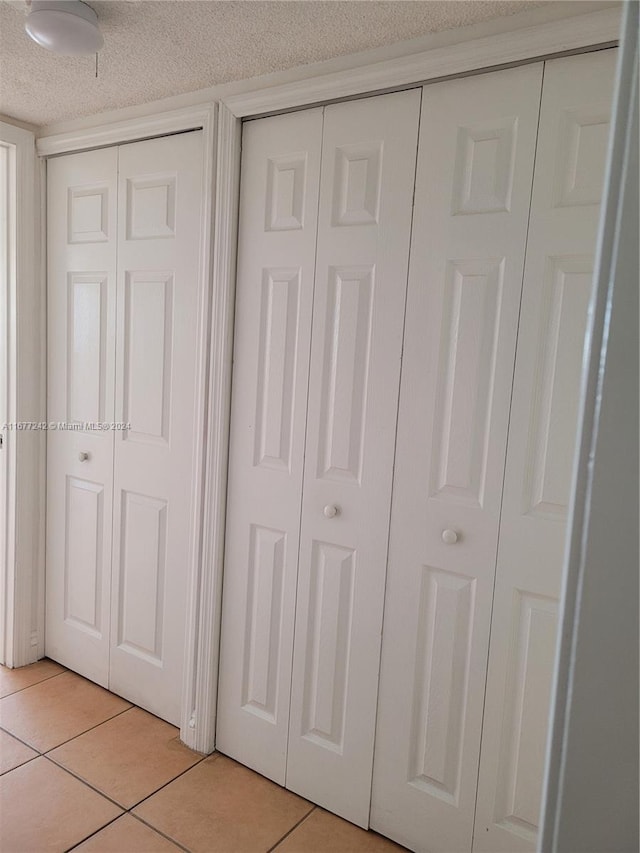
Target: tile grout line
{"x": 124, "y": 809}
{"x": 90, "y": 729}
{"x": 155, "y": 829}
{"x": 106, "y": 796}
{"x": 35, "y": 683}
{"x": 24, "y": 743}
{"x": 64, "y": 742}
{"x": 293, "y": 828}
{"x": 84, "y": 782}
{"x": 153, "y": 793}
{"x": 86, "y": 838}
{"x": 33, "y": 757}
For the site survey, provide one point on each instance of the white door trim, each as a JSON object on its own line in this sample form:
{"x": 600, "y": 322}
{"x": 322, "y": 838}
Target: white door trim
{"x": 21, "y": 570}
{"x": 206, "y": 601}
{"x": 457, "y": 54}
{"x": 451, "y": 60}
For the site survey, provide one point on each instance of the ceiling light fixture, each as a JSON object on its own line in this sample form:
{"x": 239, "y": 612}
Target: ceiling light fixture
{"x": 64, "y": 26}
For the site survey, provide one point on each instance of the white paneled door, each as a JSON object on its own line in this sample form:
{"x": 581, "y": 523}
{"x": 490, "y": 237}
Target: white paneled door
{"x": 475, "y": 166}
{"x": 569, "y": 174}
{"x": 124, "y": 297}
{"x": 322, "y": 273}
{"x": 81, "y": 305}
{"x": 364, "y": 225}
{"x": 155, "y": 480}
{"x": 274, "y": 299}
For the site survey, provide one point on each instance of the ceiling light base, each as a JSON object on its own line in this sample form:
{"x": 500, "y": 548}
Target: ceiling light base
{"x": 68, "y": 27}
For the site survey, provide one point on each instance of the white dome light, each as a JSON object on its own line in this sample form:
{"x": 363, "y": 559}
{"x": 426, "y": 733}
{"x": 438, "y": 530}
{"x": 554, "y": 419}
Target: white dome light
{"x": 64, "y": 26}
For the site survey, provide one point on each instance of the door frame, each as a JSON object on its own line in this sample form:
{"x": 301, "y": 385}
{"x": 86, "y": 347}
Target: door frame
{"x": 21, "y": 564}
{"x": 530, "y": 36}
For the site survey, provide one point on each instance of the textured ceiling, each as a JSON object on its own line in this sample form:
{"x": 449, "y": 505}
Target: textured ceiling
{"x": 155, "y": 49}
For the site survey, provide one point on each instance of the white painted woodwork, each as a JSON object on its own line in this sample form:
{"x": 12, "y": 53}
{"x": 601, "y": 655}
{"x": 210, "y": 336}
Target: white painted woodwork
{"x": 7, "y": 252}
{"x": 475, "y": 167}
{"x": 82, "y": 240}
{"x": 123, "y": 296}
{"x": 160, "y": 204}
{"x": 364, "y": 224}
{"x": 325, "y": 539}
{"x": 274, "y": 299}
{"x": 569, "y": 173}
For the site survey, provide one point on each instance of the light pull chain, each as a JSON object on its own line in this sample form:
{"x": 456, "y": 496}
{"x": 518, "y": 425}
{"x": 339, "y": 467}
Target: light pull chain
{"x": 96, "y": 65}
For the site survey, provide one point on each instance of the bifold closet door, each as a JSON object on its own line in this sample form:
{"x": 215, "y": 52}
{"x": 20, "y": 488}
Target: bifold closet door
{"x": 125, "y": 237}
{"x": 308, "y": 548}
{"x": 81, "y": 306}
{"x": 280, "y": 173}
{"x": 473, "y": 190}
{"x": 364, "y": 226}
{"x": 569, "y": 174}
{"x": 155, "y": 479}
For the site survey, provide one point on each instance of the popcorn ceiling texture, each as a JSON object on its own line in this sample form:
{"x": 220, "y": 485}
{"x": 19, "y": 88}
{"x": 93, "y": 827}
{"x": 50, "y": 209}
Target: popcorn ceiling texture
{"x": 156, "y": 49}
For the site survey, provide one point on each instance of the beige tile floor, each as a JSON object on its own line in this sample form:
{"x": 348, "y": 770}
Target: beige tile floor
{"x": 82, "y": 769}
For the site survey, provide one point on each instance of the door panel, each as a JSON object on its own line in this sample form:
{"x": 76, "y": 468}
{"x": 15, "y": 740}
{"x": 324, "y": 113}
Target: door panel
{"x": 276, "y": 254}
{"x": 155, "y": 481}
{"x": 368, "y": 169}
{"x": 475, "y": 167}
{"x": 82, "y": 211}
{"x": 569, "y": 175}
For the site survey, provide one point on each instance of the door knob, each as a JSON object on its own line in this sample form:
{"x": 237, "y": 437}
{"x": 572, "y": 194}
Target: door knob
{"x": 449, "y": 536}
{"x": 330, "y": 510}
{"x": 83, "y": 456}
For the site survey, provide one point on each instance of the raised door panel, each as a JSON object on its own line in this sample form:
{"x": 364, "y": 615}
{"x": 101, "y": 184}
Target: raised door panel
{"x": 277, "y": 241}
{"x": 368, "y": 165}
{"x": 158, "y": 395}
{"x": 568, "y": 183}
{"x": 147, "y": 359}
{"x": 84, "y": 564}
{"x": 475, "y": 167}
{"x": 81, "y": 252}
{"x": 141, "y": 582}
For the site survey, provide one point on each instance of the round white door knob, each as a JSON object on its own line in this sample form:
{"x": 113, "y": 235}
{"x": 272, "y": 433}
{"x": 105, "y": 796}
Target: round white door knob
{"x": 330, "y": 511}
{"x": 83, "y": 456}
{"x": 449, "y": 536}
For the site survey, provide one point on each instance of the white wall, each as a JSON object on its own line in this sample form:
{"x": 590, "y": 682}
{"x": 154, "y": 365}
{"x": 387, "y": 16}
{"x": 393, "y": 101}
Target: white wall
{"x": 592, "y": 791}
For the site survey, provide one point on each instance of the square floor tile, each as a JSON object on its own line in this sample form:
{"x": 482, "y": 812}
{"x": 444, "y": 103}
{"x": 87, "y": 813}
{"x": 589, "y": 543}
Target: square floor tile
{"x": 128, "y": 757}
{"x": 58, "y": 709}
{"x": 45, "y": 809}
{"x": 322, "y": 831}
{"x": 17, "y": 679}
{"x": 127, "y": 834}
{"x": 13, "y": 753}
{"x": 220, "y": 805}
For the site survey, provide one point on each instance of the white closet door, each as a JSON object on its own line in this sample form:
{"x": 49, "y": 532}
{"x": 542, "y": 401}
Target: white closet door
{"x": 570, "y": 162}
{"x": 276, "y": 255}
{"x": 368, "y": 171}
{"x": 157, "y": 380}
{"x": 82, "y": 211}
{"x": 475, "y": 166}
